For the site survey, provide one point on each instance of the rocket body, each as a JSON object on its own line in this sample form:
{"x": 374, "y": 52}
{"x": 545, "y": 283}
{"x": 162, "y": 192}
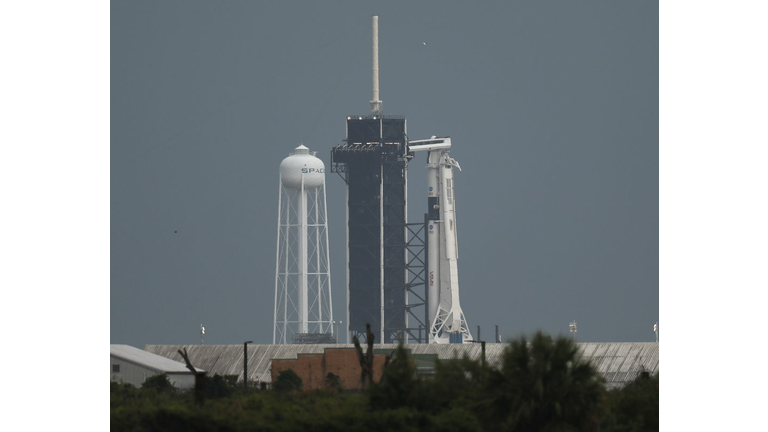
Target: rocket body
{"x": 448, "y": 324}
{"x": 433, "y": 234}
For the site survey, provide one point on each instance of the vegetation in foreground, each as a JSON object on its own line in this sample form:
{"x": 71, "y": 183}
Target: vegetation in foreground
{"x": 539, "y": 386}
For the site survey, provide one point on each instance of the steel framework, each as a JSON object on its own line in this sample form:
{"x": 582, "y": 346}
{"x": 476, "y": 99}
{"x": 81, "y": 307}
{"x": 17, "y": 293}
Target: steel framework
{"x": 384, "y": 262}
{"x": 303, "y": 306}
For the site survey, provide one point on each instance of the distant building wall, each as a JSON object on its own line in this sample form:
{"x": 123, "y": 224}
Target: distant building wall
{"x": 618, "y": 362}
{"x": 135, "y": 374}
{"x": 342, "y": 362}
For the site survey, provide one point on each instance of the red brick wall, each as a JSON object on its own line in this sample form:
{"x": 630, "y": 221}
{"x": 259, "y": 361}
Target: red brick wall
{"x": 313, "y": 368}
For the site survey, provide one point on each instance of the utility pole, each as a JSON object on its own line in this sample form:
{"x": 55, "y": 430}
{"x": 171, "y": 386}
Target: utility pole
{"x": 245, "y": 364}
{"x": 482, "y": 350}
{"x": 482, "y": 346}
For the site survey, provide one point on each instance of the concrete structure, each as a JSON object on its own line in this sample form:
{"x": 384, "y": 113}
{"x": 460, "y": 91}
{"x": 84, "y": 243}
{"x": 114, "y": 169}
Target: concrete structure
{"x": 618, "y": 362}
{"x": 131, "y": 365}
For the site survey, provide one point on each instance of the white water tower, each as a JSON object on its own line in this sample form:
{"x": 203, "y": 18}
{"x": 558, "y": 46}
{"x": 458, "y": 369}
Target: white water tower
{"x": 303, "y": 309}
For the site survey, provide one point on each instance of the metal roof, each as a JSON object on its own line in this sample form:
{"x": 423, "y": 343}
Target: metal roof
{"x": 618, "y": 362}
{"x": 149, "y": 360}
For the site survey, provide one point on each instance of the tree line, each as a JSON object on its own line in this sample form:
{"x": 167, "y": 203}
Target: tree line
{"x": 539, "y": 385}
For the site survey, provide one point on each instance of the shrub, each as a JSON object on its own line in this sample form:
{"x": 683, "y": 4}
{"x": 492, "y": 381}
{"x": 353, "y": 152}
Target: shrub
{"x": 287, "y": 380}
{"x": 398, "y": 384}
{"x": 158, "y": 384}
{"x": 218, "y": 386}
{"x": 634, "y": 407}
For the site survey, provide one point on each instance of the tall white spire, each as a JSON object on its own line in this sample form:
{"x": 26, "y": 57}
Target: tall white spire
{"x": 376, "y": 104}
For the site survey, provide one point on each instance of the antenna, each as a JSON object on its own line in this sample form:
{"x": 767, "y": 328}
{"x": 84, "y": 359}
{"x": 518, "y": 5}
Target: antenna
{"x": 573, "y": 329}
{"x": 376, "y": 104}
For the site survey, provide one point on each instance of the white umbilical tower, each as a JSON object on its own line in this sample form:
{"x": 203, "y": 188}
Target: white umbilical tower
{"x": 302, "y": 275}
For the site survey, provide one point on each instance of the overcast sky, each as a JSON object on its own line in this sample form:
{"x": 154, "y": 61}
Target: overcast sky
{"x": 552, "y": 108}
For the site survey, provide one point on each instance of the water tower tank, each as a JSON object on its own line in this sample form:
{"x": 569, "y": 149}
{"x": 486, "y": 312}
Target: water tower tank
{"x": 303, "y": 307}
{"x": 299, "y": 163}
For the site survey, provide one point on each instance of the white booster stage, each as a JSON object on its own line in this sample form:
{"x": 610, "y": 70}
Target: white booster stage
{"x": 303, "y": 309}
{"x": 448, "y": 324}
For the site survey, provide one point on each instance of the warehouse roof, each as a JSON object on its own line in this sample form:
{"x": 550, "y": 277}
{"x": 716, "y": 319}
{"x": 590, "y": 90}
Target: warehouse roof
{"x": 149, "y": 360}
{"x": 618, "y": 362}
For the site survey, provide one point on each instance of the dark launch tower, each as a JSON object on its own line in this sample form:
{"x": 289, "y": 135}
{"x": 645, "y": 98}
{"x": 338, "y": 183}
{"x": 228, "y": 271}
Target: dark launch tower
{"x": 385, "y": 256}
{"x": 372, "y": 161}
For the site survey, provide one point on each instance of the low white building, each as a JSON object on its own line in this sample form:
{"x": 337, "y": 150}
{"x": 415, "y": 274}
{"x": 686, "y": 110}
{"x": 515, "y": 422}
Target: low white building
{"x": 133, "y": 366}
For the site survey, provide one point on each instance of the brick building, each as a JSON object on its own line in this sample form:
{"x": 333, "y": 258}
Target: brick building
{"x": 341, "y": 362}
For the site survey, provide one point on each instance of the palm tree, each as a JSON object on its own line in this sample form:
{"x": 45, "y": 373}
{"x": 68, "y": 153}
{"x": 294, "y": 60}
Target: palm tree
{"x": 543, "y": 386}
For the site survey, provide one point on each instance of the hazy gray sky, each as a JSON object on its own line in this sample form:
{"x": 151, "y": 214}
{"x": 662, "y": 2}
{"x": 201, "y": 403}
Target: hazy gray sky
{"x": 552, "y": 108}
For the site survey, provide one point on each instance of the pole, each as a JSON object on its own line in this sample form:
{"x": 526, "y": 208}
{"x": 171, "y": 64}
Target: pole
{"x": 376, "y": 103}
{"x": 497, "y": 334}
{"x": 375, "y": 61}
{"x": 245, "y": 364}
{"x": 303, "y": 277}
{"x": 482, "y": 344}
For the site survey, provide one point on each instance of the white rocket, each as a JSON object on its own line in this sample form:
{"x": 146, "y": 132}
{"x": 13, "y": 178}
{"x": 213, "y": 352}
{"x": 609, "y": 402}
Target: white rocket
{"x": 448, "y": 324}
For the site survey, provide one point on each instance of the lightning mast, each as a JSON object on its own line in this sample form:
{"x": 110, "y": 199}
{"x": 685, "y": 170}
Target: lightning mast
{"x": 376, "y": 104}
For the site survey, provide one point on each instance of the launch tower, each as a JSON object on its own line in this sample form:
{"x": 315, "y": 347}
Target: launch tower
{"x": 383, "y": 268}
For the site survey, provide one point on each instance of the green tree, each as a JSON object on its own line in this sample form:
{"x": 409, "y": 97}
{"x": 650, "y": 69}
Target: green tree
{"x": 634, "y": 407}
{"x": 333, "y": 381}
{"x": 398, "y": 385}
{"x": 457, "y": 383}
{"x": 543, "y": 386}
{"x": 122, "y": 394}
{"x": 158, "y": 384}
{"x": 287, "y": 381}
{"x": 219, "y": 386}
